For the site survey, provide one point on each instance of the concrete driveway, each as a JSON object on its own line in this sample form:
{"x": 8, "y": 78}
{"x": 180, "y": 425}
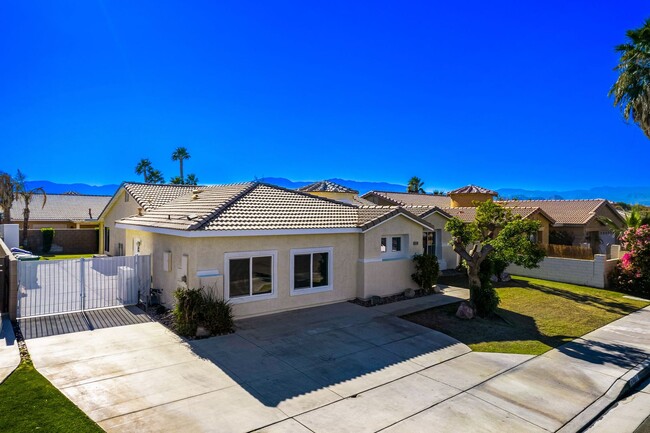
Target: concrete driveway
{"x": 334, "y": 368}
{"x": 144, "y": 378}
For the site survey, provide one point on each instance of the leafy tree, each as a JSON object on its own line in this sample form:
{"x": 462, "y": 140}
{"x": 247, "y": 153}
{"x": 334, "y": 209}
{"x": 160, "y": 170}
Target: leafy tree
{"x": 27, "y": 196}
{"x": 181, "y": 154}
{"x": 415, "y": 186}
{"x": 635, "y": 218}
{"x": 191, "y": 179}
{"x": 177, "y": 180}
{"x": 7, "y": 196}
{"x": 143, "y": 168}
{"x": 498, "y": 236}
{"x": 631, "y": 91}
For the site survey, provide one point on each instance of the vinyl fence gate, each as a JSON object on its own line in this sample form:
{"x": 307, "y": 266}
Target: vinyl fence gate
{"x": 66, "y": 286}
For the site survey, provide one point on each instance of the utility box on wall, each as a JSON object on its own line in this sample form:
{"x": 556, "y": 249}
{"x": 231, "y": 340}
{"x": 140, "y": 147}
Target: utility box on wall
{"x": 167, "y": 261}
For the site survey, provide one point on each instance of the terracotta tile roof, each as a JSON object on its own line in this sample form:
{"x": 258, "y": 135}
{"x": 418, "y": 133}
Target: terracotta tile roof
{"x": 259, "y": 206}
{"x": 150, "y": 196}
{"x": 327, "y": 186}
{"x": 473, "y": 189}
{"x": 409, "y": 199}
{"x": 576, "y": 212}
{"x": 61, "y": 207}
{"x": 424, "y": 211}
{"x": 468, "y": 214}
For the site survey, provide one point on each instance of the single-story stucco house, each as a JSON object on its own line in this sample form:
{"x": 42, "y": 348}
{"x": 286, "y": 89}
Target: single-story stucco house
{"x": 268, "y": 249}
{"x": 60, "y": 211}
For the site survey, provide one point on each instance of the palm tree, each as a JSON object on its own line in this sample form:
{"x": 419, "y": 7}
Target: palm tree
{"x": 27, "y": 196}
{"x": 7, "y": 196}
{"x": 155, "y": 176}
{"x": 144, "y": 168}
{"x": 415, "y": 186}
{"x": 632, "y": 88}
{"x": 635, "y": 219}
{"x": 177, "y": 180}
{"x": 179, "y": 155}
{"x": 191, "y": 179}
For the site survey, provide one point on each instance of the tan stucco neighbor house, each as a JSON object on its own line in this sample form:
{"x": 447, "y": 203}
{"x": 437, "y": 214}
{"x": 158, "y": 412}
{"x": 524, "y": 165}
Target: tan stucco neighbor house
{"x": 268, "y": 249}
{"x": 61, "y": 211}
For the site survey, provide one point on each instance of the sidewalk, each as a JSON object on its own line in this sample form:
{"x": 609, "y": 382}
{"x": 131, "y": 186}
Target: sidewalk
{"x": 9, "y": 354}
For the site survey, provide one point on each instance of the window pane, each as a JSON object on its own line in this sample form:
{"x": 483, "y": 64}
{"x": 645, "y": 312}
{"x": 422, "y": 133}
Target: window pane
{"x": 320, "y": 275}
{"x": 262, "y": 275}
{"x": 301, "y": 270}
{"x": 397, "y": 244}
{"x": 239, "y": 277}
{"x": 383, "y": 245}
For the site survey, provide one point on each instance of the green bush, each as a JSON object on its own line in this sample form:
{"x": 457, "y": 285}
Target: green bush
{"x": 486, "y": 299}
{"x": 196, "y": 307}
{"x": 48, "y": 237}
{"x": 426, "y": 270}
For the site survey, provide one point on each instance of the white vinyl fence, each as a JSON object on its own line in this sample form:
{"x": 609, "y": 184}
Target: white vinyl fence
{"x": 62, "y": 286}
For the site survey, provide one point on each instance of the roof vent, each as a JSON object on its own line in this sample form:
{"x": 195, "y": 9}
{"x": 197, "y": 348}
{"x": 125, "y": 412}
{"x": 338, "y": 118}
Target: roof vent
{"x": 191, "y": 216}
{"x": 140, "y": 211}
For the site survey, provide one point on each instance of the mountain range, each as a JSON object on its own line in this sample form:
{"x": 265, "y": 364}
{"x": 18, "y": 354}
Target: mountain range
{"x": 633, "y": 195}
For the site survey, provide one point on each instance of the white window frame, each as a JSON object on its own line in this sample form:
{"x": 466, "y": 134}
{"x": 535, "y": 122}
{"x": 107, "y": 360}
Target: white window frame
{"x": 389, "y": 254}
{"x": 330, "y": 270}
{"x": 249, "y": 255}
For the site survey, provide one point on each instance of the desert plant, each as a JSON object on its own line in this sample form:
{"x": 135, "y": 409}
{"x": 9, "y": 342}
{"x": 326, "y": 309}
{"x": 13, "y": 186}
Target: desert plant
{"x": 196, "y": 307}
{"x": 48, "y": 237}
{"x": 426, "y": 270}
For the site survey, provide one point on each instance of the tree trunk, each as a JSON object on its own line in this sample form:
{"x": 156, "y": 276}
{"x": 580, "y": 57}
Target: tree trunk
{"x": 25, "y": 223}
{"x": 182, "y": 178}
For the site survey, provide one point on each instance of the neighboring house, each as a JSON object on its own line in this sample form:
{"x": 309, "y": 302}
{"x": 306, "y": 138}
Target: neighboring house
{"x": 130, "y": 199}
{"x": 579, "y": 218}
{"x": 61, "y": 211}
{"x": 334, "y": 191}
{"x": 387, "y": 198}
{"x": 268, "y": 249}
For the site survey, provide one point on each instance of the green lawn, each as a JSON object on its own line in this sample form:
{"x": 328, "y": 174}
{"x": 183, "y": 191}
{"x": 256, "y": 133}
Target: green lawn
{"x": 28, "y": 402}
{"x": 66, "y": 256}
{"x": 534, "y": 316}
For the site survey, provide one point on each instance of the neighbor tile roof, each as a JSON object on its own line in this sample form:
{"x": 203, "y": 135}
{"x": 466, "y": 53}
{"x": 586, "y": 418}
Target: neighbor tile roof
{"x": 327, "y": 186}
{"x": 150, "y": 196}
{"x": 473, "y": 189}
{"x": 406, "y": 199}
{"x": 61, "y": 207}
{"x": 564, "y": 211}
{"x": 468, "y": 214}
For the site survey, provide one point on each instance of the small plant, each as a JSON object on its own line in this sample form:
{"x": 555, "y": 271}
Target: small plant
{"x": 196, "y": 307}
{"x": 48, "y": 237}
{"x": 426, "y": 270}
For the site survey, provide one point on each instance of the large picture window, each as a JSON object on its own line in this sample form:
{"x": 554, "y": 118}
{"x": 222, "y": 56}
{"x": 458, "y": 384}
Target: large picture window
{"x": 311, "y": 270}
{"x": 250, "y": 276}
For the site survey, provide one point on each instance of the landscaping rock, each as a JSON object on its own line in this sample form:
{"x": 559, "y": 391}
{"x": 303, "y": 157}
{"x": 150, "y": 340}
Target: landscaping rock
{"x": 436, "y": 289}
{"x": 465, "y": 311}
{"x": 505, "y": 277}
{"x": 202, "y": 332}
{"x": 409, "y": 293}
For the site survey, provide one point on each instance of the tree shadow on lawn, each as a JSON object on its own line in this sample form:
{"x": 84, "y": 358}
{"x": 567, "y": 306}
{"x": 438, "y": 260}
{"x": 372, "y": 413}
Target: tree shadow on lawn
{"x": 611, "y": 306}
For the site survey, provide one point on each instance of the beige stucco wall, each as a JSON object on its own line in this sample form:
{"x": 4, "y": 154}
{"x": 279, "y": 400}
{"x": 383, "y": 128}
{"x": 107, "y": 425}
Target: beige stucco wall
{"x": 120, "y": 209}
{"x": 382, "y": 276}
{"x": 208, "y": 253}
{"x": 467, "y": 200}
{"x": 593, "y": 273}
{"x": 544, "y": 229}
{"x": 447, "y": 258}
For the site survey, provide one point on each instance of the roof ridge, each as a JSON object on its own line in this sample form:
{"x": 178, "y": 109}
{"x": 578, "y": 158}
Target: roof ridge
{"x": 223, "y": 206}
{"x": 305, "y": 194}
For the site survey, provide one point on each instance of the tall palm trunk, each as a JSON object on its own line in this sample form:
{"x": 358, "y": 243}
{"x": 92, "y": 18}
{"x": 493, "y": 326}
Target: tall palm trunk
{"x": 25, "y": 223}
{"x": 181, "y": 161}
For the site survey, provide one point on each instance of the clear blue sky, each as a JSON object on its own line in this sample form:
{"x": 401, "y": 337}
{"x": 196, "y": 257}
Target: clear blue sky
{"x": 501, "y": 94}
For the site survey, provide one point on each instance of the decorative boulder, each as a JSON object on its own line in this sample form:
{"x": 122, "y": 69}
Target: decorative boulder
{"x": 409, "y": 293}
{"x": 436, "y": 289}
{"x": 465, "y": 311}
{"x": 202, "y": 332}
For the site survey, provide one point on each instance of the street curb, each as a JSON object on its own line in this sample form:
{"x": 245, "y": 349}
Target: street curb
{"x": 619, "y": 388}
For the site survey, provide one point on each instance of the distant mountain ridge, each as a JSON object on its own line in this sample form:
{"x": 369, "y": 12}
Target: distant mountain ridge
{"x": 632, "y": 195}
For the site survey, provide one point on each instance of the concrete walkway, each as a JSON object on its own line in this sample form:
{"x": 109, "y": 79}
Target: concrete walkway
{"x": 339, "y": 367}
{"x": 626, "y": 415}
{"x": 9, "y": 353}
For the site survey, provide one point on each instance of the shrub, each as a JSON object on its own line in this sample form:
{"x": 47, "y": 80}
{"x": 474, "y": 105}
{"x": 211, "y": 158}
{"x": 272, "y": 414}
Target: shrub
{"x": 632, "y": 272}
{"x": 48, "y": 237}
{"x": 560, "y": 237}
{"x": 486, "y": 299}
{"x": 196, "y": 307}
{"x": 426, "y": 270}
